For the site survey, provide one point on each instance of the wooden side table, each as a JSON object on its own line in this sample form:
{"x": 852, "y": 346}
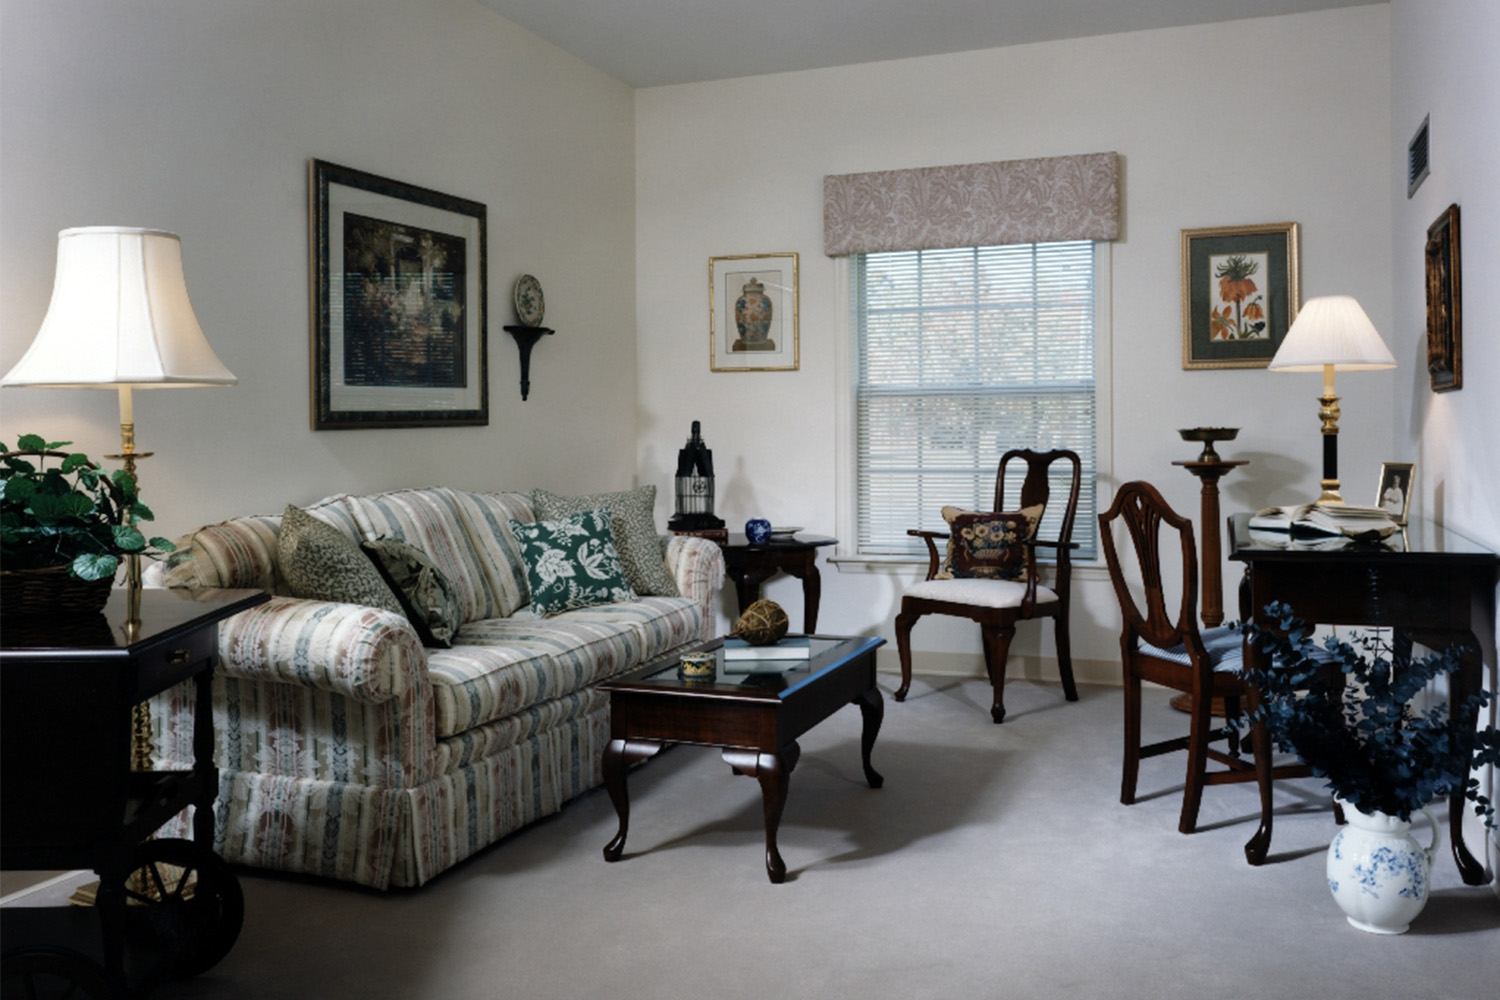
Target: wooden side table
{"x": 749, "y": 565}
{"x": 72, "y": 800}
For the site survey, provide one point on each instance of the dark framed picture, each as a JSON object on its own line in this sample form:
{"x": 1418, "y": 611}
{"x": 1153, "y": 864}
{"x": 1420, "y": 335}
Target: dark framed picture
{"x": 1397, "y": 480}
{"x": 1445, "y": 363}
{"x": 752, "y": 313}
{"x": 1240, "y": 293}
{"x": 398, "y": 276}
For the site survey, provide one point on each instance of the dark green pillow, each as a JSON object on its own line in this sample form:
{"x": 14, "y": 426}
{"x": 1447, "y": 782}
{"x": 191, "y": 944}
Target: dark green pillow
{"x": 633, "y": 521}
{"x": 426, "y": 596}
{"x": 571, "y": 563}
{"x": 321, "y": 563}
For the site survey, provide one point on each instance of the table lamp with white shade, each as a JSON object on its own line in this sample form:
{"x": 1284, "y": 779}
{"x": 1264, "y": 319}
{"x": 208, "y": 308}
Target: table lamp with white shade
{"x": 1331, "y": 333}
{"x": 120, "y": 319}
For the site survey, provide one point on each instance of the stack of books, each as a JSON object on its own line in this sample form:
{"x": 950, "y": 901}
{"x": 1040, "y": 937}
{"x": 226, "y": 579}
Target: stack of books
{"x": 740, "y": 656}
{"x": 1326, "y": 520}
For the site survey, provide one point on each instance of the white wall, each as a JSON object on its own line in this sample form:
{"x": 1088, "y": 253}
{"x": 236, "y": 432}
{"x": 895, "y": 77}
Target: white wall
{"x": 1443, "y": 65}
{"x": 1267, "y": 120}
{"x": 200, "y": 118}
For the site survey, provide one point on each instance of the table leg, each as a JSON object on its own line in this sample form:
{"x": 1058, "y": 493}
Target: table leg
{"x": 872, "y": 708}
{"x": 774, "y": 771}
{"x": 747, "y": 583}
{"x": 812, "y": 588}
{"x": 618, "y": 756}
{"x": 1463, "y": 684}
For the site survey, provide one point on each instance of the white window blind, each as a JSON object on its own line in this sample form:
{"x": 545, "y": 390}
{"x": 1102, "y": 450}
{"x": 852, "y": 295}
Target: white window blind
{"x": 961, "y": 355}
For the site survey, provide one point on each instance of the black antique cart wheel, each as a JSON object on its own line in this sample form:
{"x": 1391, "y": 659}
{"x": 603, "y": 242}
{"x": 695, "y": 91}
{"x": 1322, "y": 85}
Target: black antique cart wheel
{"x": 52, "y": 974}
{"x": 195, "y": 906}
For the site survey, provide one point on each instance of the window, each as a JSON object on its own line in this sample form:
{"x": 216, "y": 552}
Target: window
{"x": 959, "y": 356}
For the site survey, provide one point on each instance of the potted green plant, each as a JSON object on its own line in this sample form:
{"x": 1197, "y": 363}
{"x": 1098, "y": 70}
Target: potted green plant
{"x": 1382, "y": 757}
{"x": 64, "y": 528}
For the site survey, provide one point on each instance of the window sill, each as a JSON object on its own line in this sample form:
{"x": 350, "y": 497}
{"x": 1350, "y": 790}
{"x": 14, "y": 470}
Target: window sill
{"x": 904, "y": 565}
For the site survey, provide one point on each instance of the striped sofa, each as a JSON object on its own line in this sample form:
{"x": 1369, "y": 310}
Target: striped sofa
{"x": 347, "y": 750}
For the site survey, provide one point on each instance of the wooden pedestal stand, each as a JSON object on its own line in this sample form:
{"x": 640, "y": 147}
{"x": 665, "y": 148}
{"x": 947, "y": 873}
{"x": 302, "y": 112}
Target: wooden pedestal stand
{"x": 1211, "y": 587}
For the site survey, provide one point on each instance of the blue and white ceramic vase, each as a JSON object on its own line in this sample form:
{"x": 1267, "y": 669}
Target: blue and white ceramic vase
{"x": 1378, "y": 872}
{"x": 758, "y": 530}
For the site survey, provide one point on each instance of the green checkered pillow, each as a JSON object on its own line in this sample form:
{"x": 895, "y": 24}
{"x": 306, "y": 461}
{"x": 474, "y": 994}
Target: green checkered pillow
{"x": 632, "y": 518}
{"x": 571, "y": 563}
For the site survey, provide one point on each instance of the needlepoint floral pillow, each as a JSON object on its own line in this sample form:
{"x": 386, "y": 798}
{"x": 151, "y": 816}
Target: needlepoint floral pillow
{"x": 572, "y": 563}
{"x": 987, "y": 546}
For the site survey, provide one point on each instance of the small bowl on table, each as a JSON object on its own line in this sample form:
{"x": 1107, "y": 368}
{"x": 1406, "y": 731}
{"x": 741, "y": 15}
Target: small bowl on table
{"x": 697, "y": 666}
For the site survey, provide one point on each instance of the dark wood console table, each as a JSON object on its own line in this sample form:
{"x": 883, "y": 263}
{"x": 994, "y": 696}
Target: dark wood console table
{"x": 1424, "y": 582}
{"x": 69, "y": 798}
{"x": 749, "y": 565}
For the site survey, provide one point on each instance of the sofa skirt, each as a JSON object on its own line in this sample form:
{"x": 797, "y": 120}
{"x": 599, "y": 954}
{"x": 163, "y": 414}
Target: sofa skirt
{"x": 385, "y": 837}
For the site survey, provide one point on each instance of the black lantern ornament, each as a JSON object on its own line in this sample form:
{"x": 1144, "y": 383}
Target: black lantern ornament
{"x": 695, "y": 490}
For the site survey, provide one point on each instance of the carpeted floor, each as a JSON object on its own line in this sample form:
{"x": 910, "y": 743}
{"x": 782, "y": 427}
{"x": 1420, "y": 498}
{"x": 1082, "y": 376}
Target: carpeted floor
{"x": 996, "y": 862}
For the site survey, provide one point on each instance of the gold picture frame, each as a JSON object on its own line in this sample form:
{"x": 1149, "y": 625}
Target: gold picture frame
{"x": 1393, "y": 495}
{"x": 752, "y": 313}
{"x": 1241, "y": 289}
{"x": 1445, "y": 359}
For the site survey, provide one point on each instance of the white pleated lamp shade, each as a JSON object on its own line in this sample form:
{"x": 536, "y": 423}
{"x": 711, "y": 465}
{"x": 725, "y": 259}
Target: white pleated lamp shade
{"x": 119, "y": 316}
{"x": 1332, "y": 330}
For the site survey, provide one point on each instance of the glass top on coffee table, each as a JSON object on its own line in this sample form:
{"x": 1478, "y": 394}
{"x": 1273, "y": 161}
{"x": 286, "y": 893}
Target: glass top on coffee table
{"x": 782, "y": 674}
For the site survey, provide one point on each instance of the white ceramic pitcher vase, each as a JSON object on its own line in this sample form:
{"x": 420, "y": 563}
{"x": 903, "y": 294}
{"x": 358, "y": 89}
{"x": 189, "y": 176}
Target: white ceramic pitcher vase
{"x": 1378, "y": 872}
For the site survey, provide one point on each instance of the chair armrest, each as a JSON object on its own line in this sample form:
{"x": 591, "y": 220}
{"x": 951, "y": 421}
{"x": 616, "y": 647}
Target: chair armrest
{"x": 362, "y": 653}
{"x": 697, "y": 565}
{"x": 930, "y": 537}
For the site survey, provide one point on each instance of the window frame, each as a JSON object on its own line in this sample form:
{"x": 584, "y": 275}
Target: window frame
{"x": 845, "y": 555}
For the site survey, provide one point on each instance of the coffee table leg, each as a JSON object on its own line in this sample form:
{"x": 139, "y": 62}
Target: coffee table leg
{"x": 774, "y": 771}
{"x": 872, "y": 708}
{"x": 618, "y": 756}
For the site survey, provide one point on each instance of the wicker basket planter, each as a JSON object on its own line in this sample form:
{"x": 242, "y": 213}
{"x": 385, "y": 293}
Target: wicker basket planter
{"x": 52, "y": 591}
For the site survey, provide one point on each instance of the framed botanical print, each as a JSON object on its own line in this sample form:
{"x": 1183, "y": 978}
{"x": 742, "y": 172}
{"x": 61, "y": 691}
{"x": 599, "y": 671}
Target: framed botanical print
{"x": 1445, "y": 361}
{"x": 1240, "y": 293}
{"x": 398, "y": 287}
{"x": 752, "y": 313}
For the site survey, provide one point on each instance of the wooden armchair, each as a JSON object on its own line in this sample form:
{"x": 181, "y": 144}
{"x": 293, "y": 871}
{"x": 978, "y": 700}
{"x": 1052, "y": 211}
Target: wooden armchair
{"x": 998, "y": 604}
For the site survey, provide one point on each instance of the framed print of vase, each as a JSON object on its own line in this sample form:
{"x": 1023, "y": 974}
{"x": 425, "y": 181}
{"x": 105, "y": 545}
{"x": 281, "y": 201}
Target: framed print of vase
{"x": 752, "y": 313}
{"x": 398, "y": 304}
{"x": 1240, "y": 293}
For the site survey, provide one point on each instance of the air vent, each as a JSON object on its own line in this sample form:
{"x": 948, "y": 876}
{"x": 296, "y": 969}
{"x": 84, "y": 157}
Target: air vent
{"x": 1416, "y": 159}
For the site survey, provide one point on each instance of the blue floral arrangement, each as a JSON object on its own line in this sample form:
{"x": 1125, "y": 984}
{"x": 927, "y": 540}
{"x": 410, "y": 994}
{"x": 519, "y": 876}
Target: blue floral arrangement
{"x": 1363, "y": 736}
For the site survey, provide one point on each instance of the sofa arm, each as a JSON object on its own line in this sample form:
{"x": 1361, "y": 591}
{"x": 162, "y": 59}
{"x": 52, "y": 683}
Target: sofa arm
{"x": 365, "y": 654}
{"x": 697, "y": 564}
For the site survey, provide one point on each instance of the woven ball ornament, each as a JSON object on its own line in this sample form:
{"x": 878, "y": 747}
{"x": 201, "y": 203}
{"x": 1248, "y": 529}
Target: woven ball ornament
{"x": 762, "y": 624}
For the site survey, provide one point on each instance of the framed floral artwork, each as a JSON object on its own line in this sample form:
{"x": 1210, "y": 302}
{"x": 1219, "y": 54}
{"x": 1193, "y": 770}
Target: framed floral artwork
{"x": 398, "y": 304}
{"x": 1240, "y": 293}
{"x": 752, "y": 313}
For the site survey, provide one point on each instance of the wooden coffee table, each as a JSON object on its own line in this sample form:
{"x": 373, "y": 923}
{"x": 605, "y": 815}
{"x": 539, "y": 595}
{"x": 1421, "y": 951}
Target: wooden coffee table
{"x": 753, "y": 711}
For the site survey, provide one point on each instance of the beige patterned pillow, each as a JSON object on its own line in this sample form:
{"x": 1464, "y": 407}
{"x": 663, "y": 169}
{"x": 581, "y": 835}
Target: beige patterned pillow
{"x": 632, "y": 515}
{"x": 321, "y": 563}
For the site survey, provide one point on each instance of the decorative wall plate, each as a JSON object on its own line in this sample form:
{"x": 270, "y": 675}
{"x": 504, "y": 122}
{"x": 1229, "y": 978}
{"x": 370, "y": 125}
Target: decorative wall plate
{"x": 530, "y": 306}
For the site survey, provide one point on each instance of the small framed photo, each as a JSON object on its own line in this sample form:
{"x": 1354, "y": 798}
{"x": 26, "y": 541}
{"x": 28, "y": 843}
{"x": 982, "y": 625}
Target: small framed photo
{"x": 398, "y": 304}
{"x": 1445, "y": 362}
{"x": 1396, "y": 482}
{"x": 1240, "y": 293}
{"x": 752, "y": 313}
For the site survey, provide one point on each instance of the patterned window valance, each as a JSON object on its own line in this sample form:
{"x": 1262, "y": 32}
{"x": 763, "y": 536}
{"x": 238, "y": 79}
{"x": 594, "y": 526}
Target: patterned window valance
{"x": 976, "y": 204}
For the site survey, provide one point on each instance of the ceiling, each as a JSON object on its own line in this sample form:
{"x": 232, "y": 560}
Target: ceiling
{"x": 649, "y": 43}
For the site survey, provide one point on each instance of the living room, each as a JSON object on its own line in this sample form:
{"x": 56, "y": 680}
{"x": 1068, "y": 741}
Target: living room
{"x": 201, "y": 119}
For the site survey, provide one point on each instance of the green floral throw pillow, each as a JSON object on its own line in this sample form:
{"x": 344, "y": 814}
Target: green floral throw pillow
{"x": 633, "y": 521}
{"x": 321, "y": 563}
{"x": 425, "y": 593}
{"x": 571, "y": 563}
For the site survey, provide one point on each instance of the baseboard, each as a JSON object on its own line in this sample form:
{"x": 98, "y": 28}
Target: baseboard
{"x": 1020, "y": 667}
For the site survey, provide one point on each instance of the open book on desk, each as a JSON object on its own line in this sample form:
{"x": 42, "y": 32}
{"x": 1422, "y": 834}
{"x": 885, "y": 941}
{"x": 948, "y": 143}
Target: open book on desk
{"x": 1314, "y": 520}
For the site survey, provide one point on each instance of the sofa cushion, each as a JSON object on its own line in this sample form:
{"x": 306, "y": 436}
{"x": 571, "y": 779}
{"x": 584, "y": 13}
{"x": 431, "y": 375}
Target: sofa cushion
{"x": 321, "y": 563}
{"x": 488, "y": 517}
{"x": 429, "y": 519}
{"x": 425, "y": 594}
{"x": 633, "y": 522}
{"x": 502, "y": 666}
{"x": 571, "y": 563}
